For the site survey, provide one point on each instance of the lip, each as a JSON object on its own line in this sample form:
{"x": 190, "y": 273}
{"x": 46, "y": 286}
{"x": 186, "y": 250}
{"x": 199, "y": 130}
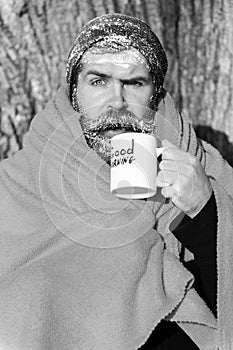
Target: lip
{"x": 113, "y": 132}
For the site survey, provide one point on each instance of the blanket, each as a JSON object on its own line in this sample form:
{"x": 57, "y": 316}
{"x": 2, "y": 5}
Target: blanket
{"x": 82, "y": 269}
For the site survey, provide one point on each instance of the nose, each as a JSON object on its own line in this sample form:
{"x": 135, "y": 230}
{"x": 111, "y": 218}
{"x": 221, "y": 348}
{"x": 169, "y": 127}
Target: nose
{"x": 116, "y": 97}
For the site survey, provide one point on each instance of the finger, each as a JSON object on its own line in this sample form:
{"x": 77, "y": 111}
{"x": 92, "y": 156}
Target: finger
{"x": 176, "y": 154}
{"x": 167, "y": 177}
{"x": 167, "y": 192}
{"x": 168, "y": 165}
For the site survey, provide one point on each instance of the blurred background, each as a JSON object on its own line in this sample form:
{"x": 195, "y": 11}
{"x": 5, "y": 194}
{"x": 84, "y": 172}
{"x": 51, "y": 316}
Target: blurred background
{"x": 36, "y": 35}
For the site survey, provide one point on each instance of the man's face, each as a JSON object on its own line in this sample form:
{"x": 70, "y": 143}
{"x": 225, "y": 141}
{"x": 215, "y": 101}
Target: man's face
{"x": 114, "y": 81}
{"x": 113, "y": 93}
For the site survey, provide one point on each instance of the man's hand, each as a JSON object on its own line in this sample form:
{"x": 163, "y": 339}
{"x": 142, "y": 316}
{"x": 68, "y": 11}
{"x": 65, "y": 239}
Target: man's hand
{"x": 189, "y": 187}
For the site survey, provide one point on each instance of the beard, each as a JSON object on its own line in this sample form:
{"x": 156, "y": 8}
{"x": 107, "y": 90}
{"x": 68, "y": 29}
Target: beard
{"x": 93, "y": 130}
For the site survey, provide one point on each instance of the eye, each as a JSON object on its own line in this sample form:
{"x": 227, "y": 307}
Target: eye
{"x": 98, "y": 82}
{"x": 135, "y": 83}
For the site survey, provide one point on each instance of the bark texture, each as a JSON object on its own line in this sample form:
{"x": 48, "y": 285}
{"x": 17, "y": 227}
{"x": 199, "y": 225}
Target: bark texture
{"x": 205, "y": 52}
{"x": 36, "y": 35}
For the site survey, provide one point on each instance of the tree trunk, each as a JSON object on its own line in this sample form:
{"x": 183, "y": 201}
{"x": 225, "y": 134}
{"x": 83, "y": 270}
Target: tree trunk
{"x": 36, "y": 36}
{"x": 205, "y": 60}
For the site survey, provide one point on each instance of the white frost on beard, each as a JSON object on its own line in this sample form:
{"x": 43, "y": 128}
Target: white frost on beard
{"x": 93, "y": 128}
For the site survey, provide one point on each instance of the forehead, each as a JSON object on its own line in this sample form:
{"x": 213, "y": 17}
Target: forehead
{"x": 130, "y": 61}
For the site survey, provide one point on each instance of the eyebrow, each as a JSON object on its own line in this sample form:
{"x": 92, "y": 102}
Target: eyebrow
{"x": 95, "y": 72}
{"x": 104, "y": 75}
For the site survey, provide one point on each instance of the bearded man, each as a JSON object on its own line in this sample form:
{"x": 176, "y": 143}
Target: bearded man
{"x": 83, "y": 269}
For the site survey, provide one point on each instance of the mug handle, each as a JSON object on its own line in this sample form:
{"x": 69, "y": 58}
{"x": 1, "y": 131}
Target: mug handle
{"x": 160, "y": 150}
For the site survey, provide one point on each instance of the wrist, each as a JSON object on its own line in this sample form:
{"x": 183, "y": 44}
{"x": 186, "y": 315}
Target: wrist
{"x": 194, "y": 212}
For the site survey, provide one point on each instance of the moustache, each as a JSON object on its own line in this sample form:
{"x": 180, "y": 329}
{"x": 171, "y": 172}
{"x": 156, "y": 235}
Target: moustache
{"x": 118, "y": 119}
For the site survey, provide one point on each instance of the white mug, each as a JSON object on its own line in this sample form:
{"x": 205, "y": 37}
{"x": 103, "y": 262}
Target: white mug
{"x": 134, "y": 165}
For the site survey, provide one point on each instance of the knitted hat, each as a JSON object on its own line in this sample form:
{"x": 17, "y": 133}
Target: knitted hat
{"x": 118, "y": 32}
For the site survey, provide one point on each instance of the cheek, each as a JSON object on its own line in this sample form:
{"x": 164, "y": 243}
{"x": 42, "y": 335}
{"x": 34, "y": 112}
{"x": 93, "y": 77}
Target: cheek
{"x": 91, "y": 103}
{"x": 91, "y": 97}
{"x": 138, "y": 110}
{"x": 140, "y": 97}
{"x": 138, "y": 101}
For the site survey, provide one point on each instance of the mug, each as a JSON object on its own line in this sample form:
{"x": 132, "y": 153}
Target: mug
{"x": 134, "y": 165}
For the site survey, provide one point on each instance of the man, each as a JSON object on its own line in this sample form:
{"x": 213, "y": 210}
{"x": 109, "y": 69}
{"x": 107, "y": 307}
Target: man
{"x": 82, "y": 269}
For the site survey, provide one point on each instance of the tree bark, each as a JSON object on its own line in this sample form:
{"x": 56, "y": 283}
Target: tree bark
{"x": 36, "y": 36}
{"x": 205, "y": 56}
